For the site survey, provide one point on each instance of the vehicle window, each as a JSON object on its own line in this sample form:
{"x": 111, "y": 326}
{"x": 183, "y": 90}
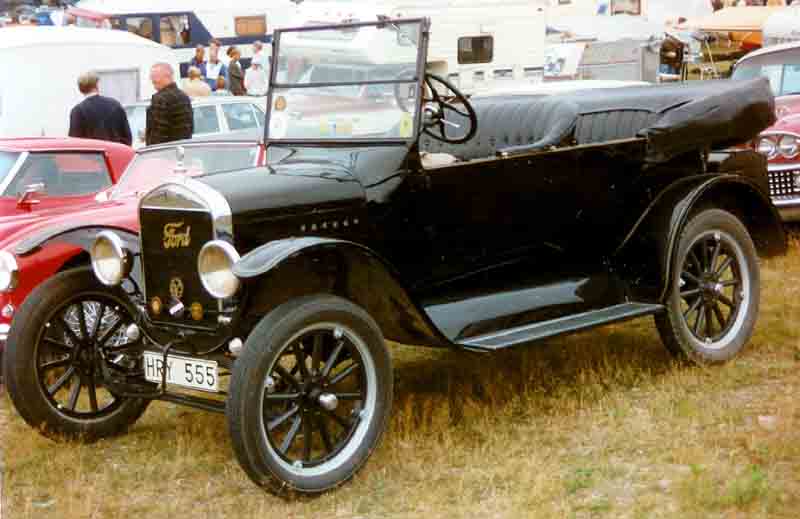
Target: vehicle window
{"x": 149, "y": 168}
{"x": 63, "y": 174}
{"x": 475, "y": 49}
{"x": 143, "y": 26}
{"x": 239, "y": 116}
{"x": 205, "y": 120}
{"x": 260, "y": 115}
{"x": 791, "y": 80}
{"x": 632, "y": 7}
{"x": 7, "y": 161}
{"x": 250, "y": 25}
{"x": 175, "y": 30}
{"x": 366, "y": 89}
{"x": 137, "y": 120}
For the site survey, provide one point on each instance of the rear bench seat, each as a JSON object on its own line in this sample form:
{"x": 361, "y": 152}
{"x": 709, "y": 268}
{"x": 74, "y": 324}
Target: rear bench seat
{"x": 540, "y": 121}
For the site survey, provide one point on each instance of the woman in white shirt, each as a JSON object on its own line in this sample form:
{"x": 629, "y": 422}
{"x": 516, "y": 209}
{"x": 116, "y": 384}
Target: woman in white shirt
{"x": 255, "y": 79}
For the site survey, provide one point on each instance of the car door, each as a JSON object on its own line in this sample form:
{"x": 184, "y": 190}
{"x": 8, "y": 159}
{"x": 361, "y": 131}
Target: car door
{"x": 61, "y": 178}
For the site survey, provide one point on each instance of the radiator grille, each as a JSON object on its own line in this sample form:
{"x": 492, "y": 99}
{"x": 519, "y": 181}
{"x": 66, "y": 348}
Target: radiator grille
{"x": 782, "y": 183}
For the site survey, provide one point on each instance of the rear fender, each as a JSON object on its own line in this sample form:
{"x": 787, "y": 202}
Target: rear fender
{"x": 287, "y": 269}
{"x": 657, "y": 232}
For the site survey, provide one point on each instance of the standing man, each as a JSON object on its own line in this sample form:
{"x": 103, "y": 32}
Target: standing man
{"x": 236, "y": 74}
{"x": 170, "y": 116}
{"x": 98, "y": 117}
{"x": 214, "y": 67}
{"x": 199, "y": 59}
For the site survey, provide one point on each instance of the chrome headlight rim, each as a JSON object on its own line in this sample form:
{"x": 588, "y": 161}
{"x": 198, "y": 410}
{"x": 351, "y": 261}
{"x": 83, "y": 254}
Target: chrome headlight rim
{"x": 120, "y": 253}
{"x": 793, "y": 152}
{"x": 231, "y": 256}
{"x": 9, "y": 272}
{"x": 768, "y": 147}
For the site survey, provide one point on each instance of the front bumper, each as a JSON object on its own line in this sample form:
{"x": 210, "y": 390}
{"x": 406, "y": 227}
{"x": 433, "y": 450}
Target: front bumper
{"x": 784, "y": 190}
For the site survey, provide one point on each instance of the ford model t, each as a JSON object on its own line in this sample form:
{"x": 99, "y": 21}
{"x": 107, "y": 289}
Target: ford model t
{"x": 269, "y": 293}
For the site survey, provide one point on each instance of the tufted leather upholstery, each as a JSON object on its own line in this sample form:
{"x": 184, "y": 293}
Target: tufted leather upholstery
{"x": 506, "y": 122}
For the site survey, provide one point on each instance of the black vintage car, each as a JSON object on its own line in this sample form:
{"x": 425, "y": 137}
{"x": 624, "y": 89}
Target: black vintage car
{"x": 418, "y": 217}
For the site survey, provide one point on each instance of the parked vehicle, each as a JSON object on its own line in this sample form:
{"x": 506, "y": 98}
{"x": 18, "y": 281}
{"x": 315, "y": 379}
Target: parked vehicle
{"x": 39, "y": 99}
{"x": 780, "y": 143}
{"x": 271, "y": 290}
{"x": 213, "y": 115}
{"x": 113, "y": 206}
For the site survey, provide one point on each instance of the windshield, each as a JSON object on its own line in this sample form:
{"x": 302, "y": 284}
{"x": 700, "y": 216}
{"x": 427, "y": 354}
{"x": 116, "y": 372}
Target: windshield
{"x": 349, "y": 82}
{"x": 149, "y": 169}
{"x": 7, "y": 161}
{"x": 784, "y": 78}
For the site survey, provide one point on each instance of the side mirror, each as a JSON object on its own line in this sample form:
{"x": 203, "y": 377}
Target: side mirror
{"x": 28, "y": 197}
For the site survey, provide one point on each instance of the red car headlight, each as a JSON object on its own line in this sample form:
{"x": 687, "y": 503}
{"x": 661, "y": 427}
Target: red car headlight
{"x": 767, "y": 147}
{"x": 788, "y": 146}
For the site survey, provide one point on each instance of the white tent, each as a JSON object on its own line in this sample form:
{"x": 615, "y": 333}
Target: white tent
{"x": 783, "y": 26}
{"x": 41, "y": 65}
{"x": 665, "y": 11}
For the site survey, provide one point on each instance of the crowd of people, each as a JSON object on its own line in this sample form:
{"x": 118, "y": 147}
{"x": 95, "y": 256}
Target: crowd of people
{"x": 219, "y": 75}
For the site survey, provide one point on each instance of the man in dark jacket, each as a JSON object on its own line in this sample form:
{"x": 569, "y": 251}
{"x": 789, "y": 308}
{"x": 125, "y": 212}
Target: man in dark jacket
{"x": 170, "y": 116}
{"x": 98, "y": 117}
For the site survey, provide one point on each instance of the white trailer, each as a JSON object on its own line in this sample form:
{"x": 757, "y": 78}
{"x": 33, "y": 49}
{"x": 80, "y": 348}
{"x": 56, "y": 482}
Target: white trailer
{"x": 783, "y": 26}
{"x": 478, "y": 44}
{"x": 40, "y": 67}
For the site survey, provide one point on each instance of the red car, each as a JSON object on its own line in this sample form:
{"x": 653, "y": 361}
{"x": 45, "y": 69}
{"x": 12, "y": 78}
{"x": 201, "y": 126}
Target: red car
{"x": 116, "y": 206}
{"x": 781, "y": 142}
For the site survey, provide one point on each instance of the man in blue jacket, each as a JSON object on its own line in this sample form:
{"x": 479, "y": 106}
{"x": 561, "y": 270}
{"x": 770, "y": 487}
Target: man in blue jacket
{"x": 98, "y": 117}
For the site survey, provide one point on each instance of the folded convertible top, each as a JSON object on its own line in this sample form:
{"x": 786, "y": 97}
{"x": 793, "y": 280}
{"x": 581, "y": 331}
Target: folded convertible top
{"x": 680, "y": 118}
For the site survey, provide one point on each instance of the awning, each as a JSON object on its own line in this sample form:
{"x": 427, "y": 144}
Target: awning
{"x": 734, "y": 19}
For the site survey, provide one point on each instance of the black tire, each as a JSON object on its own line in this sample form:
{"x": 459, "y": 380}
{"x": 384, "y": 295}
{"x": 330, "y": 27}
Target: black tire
{"x": 269, "y": 382}
{"x": 714, "y": 293}
{"x": 44, "y": 335}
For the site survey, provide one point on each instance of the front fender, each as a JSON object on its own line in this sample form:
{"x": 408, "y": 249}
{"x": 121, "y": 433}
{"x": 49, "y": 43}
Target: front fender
{"x": 656, "y": 234}
{"x": 79, "y": 235}
{"x": 287, "y": 269}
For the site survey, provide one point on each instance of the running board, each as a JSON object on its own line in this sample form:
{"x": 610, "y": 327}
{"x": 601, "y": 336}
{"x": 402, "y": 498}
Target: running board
{"x": 533, "y": 332}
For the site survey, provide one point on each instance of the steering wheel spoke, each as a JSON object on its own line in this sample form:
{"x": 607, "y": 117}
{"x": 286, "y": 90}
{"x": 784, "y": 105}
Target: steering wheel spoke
{"x": 438, "y": 121}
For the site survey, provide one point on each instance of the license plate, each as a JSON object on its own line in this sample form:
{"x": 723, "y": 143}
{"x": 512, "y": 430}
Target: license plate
{"x": 182, "y": 371}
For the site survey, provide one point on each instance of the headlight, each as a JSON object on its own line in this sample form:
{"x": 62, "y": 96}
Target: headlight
{"x": 9, "y": 272}
{"x": 111, "y": 261}
{"x": 767, "y": 147}
{"x": 788, "y": 146}
{"x": 215, "y": 265}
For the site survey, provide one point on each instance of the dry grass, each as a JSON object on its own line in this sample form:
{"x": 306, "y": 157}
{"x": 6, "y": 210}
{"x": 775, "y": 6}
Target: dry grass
{"x": 600, "y": 424}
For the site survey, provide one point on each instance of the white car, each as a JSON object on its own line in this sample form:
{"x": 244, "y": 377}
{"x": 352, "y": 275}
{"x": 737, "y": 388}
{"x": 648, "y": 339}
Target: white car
{"x": 212, "y": 115}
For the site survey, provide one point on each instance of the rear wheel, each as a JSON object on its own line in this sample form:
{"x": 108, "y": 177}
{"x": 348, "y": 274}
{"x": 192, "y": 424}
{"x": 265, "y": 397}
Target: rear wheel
{"x": 64, "y": 331}
{"x": 310, "y": 395}
{"x": 714, "y": 295}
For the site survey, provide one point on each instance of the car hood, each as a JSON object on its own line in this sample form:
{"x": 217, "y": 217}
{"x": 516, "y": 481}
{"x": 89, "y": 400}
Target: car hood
{"x": 787, "y": 109}
{"x": 118, "y": 213}
{"x": 287, "y": 188}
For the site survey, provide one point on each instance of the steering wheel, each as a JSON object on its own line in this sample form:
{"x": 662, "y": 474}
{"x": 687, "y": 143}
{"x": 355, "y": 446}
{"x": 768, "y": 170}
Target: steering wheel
{"x": 435, "y": 108}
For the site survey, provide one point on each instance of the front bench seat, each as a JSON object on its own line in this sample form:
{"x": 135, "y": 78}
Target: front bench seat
{"x": 511, "y": 121}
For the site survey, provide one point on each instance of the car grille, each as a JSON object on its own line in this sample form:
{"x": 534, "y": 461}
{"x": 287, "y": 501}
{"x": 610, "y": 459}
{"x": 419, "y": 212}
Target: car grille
{"x": 171, "y": 242}
{"x": 782, "y": 184}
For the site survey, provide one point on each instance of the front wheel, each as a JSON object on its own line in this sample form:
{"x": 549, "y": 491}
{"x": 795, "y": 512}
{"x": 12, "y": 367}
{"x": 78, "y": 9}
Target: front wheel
{"x": 713, "y": 302}
{"x": 68, "y": 330}
{"x": 310, "y": 395}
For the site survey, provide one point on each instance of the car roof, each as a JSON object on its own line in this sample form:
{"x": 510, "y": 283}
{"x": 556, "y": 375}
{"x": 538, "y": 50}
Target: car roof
{"x": 249, "y": 136}
{"x": 210, "y": 100}
{"x": 771, "y": 50}
{"x": 58, "y": 144}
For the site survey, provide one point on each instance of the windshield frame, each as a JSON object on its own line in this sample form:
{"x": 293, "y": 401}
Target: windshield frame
{"x": 275, "y": 84}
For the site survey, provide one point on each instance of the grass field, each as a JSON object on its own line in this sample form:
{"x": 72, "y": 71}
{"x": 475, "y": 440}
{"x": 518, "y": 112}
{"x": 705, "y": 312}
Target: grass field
{"x": 600, "y": 424}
